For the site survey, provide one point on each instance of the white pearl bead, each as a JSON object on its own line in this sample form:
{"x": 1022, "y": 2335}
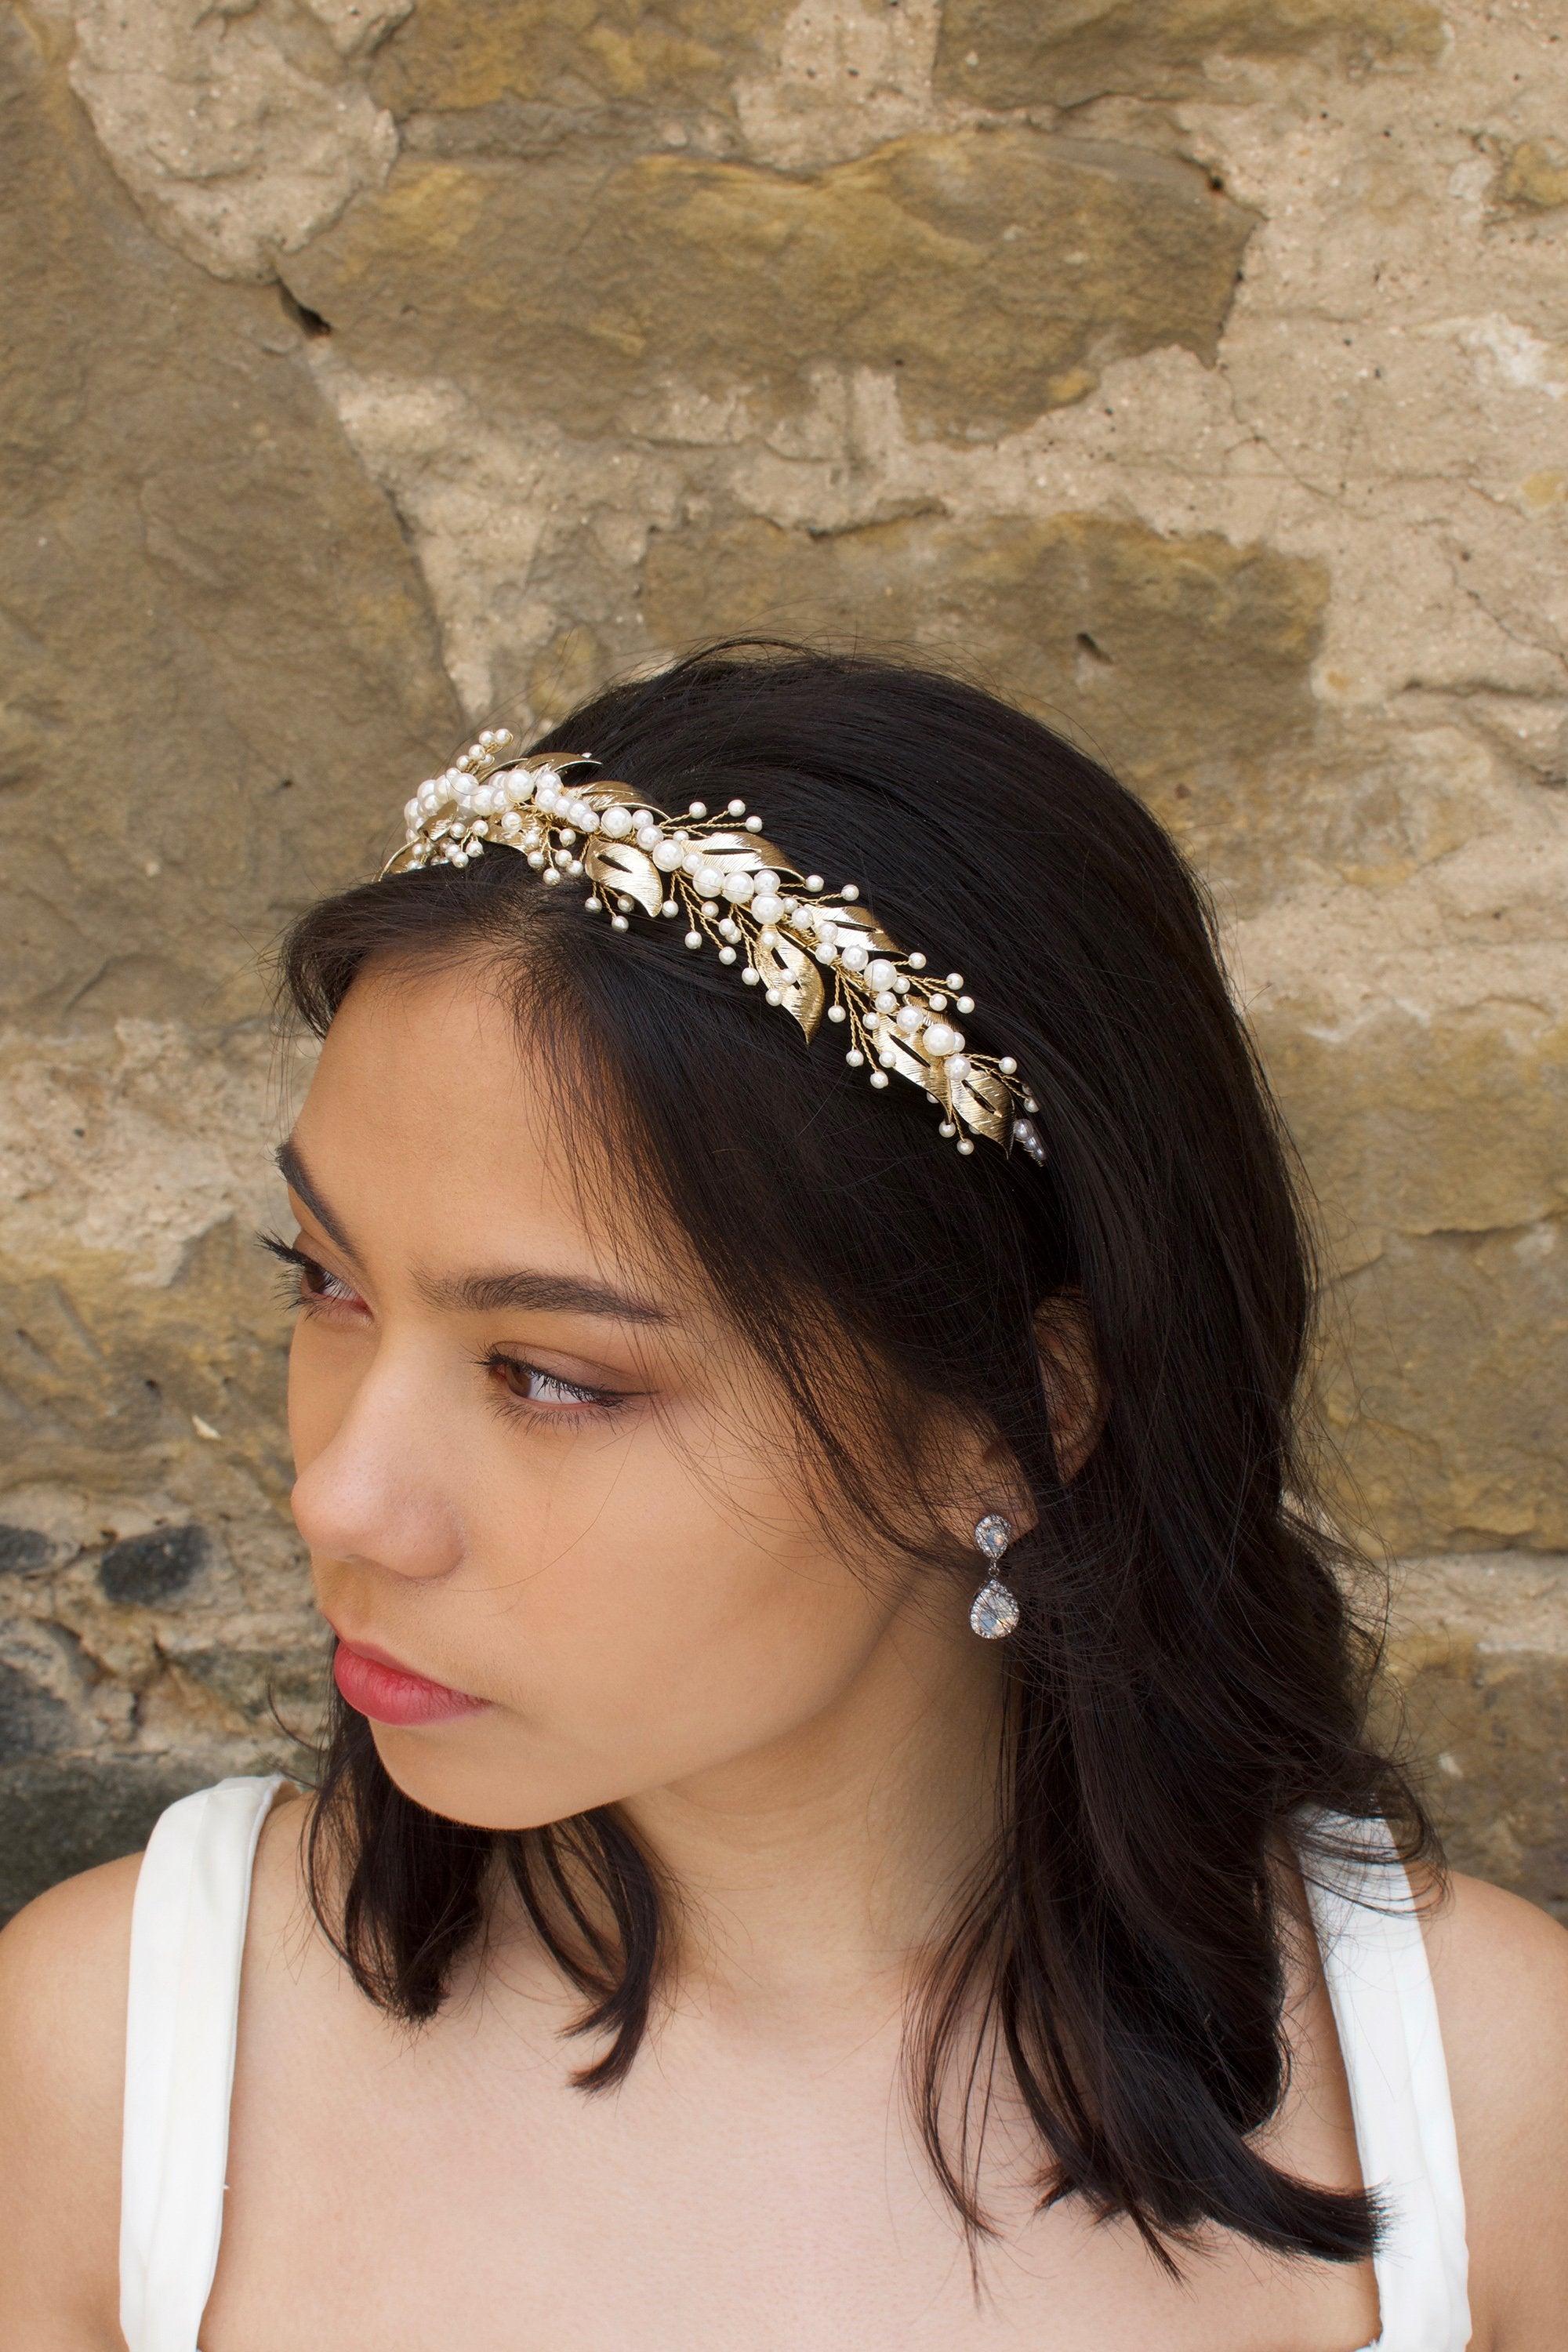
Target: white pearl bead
{"x": 751, "y": 975}
{"x": 694, "y": 938}
{"x": 411, "y": 812}
{"x": 966, "y": 1003}
{"x": 885, "y": 1001}
{"x": 753, "y": 825}
{"x": 916, "y": 963}
{"x": 617, "y": 822}
{"x": 947, "y": 1127}
{"x": 909, "y": 1017}
{"x": 855, "y": 1059}
{"x": 774, "y": 997}
{"x": 767, "y": 907}
{"x": 504, "y": 735}
{"x": 851, "y": 891}
{"x": 726, "y": 955}
{"x": 1007, "y": 1065}
{"x": 697, "y": 808}
{"x": 511, "y": 823}
{"x": 965, "y": 1146}
{"x": 882, "y": 973}
{"x": 737, "y": 808}
{"x": 813, "y": 881}
{"x": 940, "y": 1039}
{"x": 958, "y": 1065}
{"x": 878, "y": 1077}
{"x": 955, "y": 980}
{"x": 592, "y": 902}
{"x": 618, "y": 923}
{"x": 648, "y": 836}
{"x": 519, "y": 788}
{"x": 708, "y": 880}
{"x": 837, "y": 1013}
{"x": 667, "y": 856}
{"x": 855, "y": 959}
{"x": 536, "y": 858}
{"x": 739, "y": 888}
{"x": 486, "y": 736}
{"x": 669, "y": 907}
{"x": 551, "y": 875}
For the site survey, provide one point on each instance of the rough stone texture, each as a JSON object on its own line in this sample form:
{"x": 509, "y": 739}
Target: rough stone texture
{"x": 1195, "y": 372}
{"x": 585, "y": 287}
{"x": 1006, "y": 53}
{"x": 1479, "y": 1660}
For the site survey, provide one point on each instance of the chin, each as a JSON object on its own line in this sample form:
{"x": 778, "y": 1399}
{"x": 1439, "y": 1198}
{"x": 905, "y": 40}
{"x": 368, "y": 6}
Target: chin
{"x": 438, "y": 1769}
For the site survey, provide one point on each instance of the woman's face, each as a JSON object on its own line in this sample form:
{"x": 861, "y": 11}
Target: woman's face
{"x": 534, "y": 1465}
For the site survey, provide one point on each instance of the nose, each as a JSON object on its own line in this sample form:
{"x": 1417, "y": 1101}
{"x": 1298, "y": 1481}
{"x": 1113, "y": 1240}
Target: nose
{"x": 382, "y": 1491}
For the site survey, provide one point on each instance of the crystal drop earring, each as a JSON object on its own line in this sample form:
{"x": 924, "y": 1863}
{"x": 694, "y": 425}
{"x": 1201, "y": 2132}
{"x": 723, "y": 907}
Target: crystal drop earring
{"x": 993, "y": 1612}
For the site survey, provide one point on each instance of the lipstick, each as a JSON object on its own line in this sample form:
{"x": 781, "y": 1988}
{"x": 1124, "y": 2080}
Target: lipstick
{"x": 374, "y": 1684}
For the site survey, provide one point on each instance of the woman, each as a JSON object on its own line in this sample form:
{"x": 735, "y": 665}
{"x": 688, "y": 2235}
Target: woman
{"x": 848, "y": 1819}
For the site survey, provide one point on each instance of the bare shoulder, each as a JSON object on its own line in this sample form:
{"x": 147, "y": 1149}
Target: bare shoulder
{"x": 64, "y": 1969}
{"x": 1500, "y": 1969}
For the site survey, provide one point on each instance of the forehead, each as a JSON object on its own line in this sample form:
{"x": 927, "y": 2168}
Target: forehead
{"x": 432, "y": 1115}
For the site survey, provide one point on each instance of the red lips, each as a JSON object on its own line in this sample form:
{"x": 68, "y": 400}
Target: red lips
{"x": 375, "y": 1684}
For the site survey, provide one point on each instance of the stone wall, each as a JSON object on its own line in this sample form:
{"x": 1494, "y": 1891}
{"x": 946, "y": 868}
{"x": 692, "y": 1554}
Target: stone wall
{"x": 1194, "y": 370}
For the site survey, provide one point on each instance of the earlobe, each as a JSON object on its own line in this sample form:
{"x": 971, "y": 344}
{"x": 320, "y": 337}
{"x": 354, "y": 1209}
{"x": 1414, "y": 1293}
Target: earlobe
{"x": 1076, "y": 1393}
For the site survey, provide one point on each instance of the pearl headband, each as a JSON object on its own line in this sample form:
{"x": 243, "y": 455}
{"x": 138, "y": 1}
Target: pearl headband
{"x": 814, "y": 952}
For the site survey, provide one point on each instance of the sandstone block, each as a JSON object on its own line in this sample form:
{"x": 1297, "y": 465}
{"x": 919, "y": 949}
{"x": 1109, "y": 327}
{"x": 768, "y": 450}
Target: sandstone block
{"x": 1184, "y": 662}
{"x": 215, "y": 633}
{"x": 1006, "y": 53}
{"x": 459, "y": 56}
{"x": 1446, "y": 1389}
{"x": 994, "y": 273}
{"x": 1478, "y": 1662}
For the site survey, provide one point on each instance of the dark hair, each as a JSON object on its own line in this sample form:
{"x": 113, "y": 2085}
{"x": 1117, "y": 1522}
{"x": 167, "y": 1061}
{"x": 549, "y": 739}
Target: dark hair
{"x": 1188, "y": 1681}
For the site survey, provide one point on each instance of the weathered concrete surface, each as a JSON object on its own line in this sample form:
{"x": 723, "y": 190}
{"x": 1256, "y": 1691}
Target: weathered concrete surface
{"x": 1195, "y": 372}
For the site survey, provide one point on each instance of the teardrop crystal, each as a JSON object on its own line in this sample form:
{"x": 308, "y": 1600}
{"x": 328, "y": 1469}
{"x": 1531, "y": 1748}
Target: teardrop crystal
{"x": 994, "y": 1613}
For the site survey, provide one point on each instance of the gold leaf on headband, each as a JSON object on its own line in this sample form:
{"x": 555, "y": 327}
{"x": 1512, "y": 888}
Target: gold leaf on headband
{"x": 981, "y": 1100}
{"x": 868, "y": 932}
{"x": 794, "y": 976}
{"x": 894, "y": 1051}
{"x": 623, "y": 871}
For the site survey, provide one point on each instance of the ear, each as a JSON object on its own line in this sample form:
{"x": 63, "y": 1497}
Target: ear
{"x": 1076, "y": 1395}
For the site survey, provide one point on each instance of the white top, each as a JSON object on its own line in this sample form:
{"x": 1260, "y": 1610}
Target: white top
{"x": 187, "y": 1939}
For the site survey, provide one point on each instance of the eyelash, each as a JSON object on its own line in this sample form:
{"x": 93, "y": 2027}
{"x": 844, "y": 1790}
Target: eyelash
{"x": 302, "y": 1270}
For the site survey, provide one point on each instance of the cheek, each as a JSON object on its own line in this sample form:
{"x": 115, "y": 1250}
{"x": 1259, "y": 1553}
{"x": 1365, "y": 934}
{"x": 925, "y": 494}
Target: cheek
{"x": 654, "y": 1622}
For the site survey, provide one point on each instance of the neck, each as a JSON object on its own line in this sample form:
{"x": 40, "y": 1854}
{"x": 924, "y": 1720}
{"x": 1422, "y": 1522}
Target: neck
{"x": 811, "y": 1872}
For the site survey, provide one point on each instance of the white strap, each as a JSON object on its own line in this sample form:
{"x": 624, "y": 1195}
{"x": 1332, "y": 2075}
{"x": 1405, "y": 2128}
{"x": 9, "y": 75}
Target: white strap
{"x": 1374, "y": 1961}
{"x": 188, "y": 1941}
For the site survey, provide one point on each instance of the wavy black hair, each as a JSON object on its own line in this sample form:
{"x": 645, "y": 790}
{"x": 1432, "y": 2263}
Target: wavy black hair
{"x": 1187, "y": 1689}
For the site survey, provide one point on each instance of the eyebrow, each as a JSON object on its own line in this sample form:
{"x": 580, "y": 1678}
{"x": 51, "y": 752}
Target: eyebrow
{"x": 521, "y": 1290}
{"x": 292, "y": 1169}
{"x": 540, "y": 1293}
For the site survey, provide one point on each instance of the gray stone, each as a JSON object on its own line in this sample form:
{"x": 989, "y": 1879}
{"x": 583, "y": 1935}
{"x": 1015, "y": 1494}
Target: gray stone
{"x": 32, "y": 1721}
{"x": 64, "y": 1814}
{"x": 149, "y": 1570}
{"x": 24, "y": 1550}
